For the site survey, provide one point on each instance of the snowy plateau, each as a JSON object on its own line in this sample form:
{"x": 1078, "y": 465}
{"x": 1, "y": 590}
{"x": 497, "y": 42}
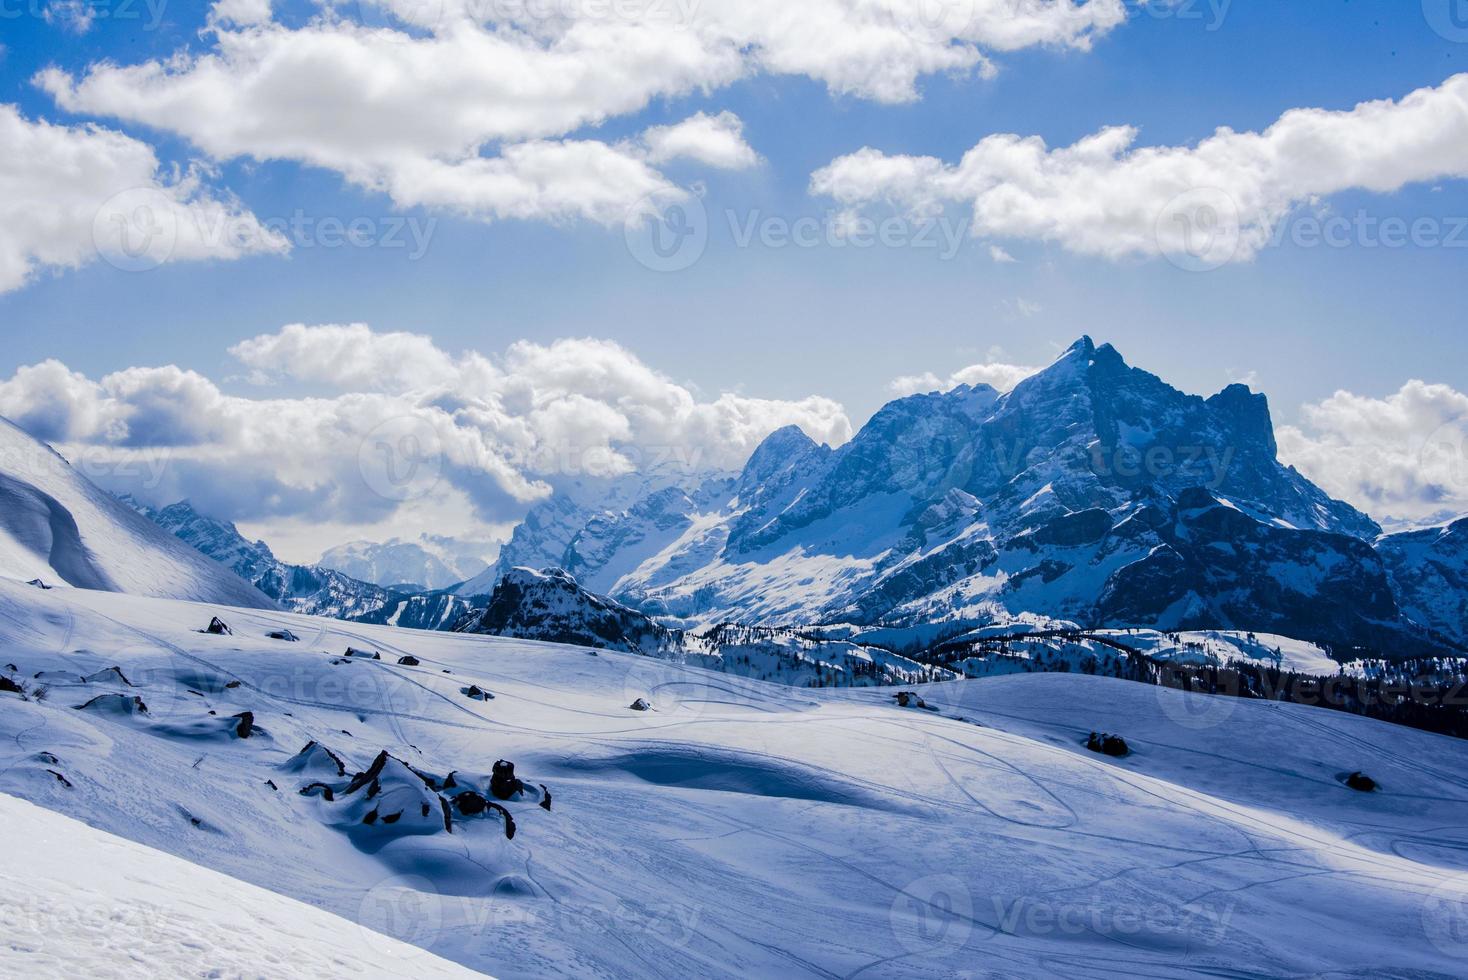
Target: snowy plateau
{"x": 892, "y": 709}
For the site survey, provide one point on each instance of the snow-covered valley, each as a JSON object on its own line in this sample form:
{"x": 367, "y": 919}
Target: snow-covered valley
{"x": 734, "y": 828}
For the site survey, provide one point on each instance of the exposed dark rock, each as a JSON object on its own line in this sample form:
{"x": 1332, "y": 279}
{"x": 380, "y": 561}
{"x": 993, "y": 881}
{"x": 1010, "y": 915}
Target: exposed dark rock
{"x": 476, "y": 693}
{"x": 640, "y": 705}
{"x": 503, "y": 782}
{"x": 1106, "y": 744}
{"x": 218, "y": 627}
{"x": 285, "y": 635}
{"x": 245, "y": 726}
{"x": 1361, "y": 782}
{"x": 408, "y": 661}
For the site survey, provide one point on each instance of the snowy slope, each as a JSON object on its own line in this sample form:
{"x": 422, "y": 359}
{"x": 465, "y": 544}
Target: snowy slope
{"x": 83, "y": 903}
{"x": 56, "y": 525}
{"x": 738, "y": 828}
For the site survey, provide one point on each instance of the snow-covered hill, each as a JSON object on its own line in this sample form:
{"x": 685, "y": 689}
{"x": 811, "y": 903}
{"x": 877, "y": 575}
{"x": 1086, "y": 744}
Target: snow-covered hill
{"x": 428, "y": 564}
{"x": 83, "y": 903}
{"x": 735, "y": 828}
{"x": 59, "y": 527}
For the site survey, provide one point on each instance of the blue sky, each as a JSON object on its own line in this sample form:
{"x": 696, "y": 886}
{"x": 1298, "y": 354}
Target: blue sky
{"x": 788, "y": 323}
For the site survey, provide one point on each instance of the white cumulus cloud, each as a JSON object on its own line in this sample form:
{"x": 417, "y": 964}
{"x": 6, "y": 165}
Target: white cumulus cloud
{"x": 492, "y": 431}
{"x": 1402, "y": 457}
{"x": 480, "y": 107}
{"x": 996, "y": 374}
{"x": 72, "y": 194}
{"x": 1217, "y": 201}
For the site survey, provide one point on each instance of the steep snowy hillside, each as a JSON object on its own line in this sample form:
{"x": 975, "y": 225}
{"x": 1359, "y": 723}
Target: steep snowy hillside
{"x": 734, "y": 828}
{"x": 307, "y": 589}
{"x": 57, "y": 526}
{"x": 83, "y": 903}
{"x": 1092, "y": 492}
{"x": 428, "y": 564}
{"x": 1429, "y": 569}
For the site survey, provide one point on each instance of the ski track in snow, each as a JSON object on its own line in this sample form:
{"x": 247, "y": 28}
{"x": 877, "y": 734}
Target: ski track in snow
{"x": 739, "y": 828}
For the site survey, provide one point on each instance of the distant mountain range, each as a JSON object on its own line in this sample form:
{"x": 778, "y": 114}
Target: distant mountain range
{"x": 307, "y": 589}
{"x": 1093, "y": 493}
{"x": 430, "y": 563}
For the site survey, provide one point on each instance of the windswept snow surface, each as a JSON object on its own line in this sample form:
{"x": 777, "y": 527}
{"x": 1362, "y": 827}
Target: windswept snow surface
{"x": 82, "y": 903}
{"x": 740, "y": 828}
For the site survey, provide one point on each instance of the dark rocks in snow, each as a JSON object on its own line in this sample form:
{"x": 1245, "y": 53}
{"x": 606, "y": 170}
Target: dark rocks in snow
{"x": 1107, "y": 744}
{"x": 362, "y": 654}
{"x": 38, "y": 583}
{"x": 909, "y": 699}
{"x": 640, "y": 705}
{"x": 11, "y": 687}
{"x": 115, "y": 704}
{"x": 545, "y": 799}
{"x": 471, "y": 804}
{"x": 60, "y": 778}
{"x": 503, "y": 782}
{"x": 245, "y": 724}
{"x": 271, "y": 784}
{"x": 476, "y": 693}
{"x": 112, "y": 675}
{"x": 408, "y": 661}
{"x": 231, "y": 685}
{"x": 319, "y": 789}
{"x": 315, "y": 757}
{"x": 1361, "y": 782}
{"x": 218, "y": 627}
{"x": 285, "y": 635}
